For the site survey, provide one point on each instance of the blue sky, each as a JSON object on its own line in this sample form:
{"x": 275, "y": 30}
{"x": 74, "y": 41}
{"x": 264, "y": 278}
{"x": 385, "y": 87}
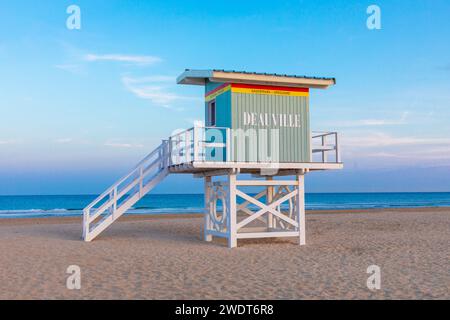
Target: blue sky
{"x": 81, "y": 107}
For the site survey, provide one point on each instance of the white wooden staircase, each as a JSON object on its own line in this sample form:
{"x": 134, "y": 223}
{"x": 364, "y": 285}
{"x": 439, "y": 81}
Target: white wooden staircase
{"x": 123, "y": 194}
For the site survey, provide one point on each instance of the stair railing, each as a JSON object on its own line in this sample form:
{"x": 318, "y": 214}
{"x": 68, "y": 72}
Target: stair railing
{"x": 131, "y": 185}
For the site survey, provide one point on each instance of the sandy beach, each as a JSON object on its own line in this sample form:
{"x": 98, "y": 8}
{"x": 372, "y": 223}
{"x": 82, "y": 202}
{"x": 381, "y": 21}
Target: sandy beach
{"x": 142, "y": 257}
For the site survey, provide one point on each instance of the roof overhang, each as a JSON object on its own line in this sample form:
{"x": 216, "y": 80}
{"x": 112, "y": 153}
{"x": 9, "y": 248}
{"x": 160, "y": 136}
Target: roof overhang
{"x": 199, "y": 77}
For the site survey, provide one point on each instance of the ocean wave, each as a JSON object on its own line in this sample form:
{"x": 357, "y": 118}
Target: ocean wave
{"x": 36, "y": 213}
{"x": 41, "y": 206}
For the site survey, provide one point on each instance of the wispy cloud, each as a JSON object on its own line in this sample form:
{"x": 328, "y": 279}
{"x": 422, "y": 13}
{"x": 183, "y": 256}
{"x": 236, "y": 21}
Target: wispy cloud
{"x": 377, "y": 122}
{"x": 382, "y": 150}
{"x": 72, "y": 68}
{"x": 195, "y": 122}
{"x": 114, "y": 144}
{"x": 64, "y": 140}
{"x": 134, "y": 59}
{"x": 5, "y": 142}
{"x": 380, "y": 139}
{"x": 157, "y": 89}
{"x": 156, "y": 79}
{"x": 428, "y": 154}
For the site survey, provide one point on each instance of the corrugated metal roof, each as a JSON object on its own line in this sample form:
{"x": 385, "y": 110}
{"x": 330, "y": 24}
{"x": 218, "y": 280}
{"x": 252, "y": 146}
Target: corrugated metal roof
{"x": 268, "y": 74}
{"x": 199, "y": 77}
{"x": 271, "y": 74}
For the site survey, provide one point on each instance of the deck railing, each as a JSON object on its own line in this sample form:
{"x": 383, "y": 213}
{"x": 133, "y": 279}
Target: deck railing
{"x": 200, "y": 144}
{"x": 325, "y": 143}
{"x": 192, "y": 145}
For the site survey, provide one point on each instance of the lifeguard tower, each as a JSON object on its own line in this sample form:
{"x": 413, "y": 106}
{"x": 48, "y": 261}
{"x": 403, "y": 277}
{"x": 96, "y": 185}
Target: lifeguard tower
{"x": 253, "y": 153}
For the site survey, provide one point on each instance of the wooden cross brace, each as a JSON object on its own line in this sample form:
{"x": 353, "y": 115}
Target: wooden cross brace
{"x": 266, "y": 208}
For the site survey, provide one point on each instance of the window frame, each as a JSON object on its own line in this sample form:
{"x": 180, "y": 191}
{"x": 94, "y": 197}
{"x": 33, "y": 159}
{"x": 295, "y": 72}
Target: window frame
{"x": 212, "y": 106}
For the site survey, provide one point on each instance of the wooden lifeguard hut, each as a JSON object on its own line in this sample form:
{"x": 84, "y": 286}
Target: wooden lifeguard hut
{"x": 253, "y": 153}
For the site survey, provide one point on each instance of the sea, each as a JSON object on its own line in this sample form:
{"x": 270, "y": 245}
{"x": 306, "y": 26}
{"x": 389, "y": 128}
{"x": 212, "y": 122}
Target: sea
{"x": 72, "y": 205}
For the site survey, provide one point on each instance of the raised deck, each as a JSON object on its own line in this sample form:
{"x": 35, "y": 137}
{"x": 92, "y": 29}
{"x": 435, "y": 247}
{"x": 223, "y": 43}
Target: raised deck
{"x": 189, "y": 152}
{"x": 207, "y": 152}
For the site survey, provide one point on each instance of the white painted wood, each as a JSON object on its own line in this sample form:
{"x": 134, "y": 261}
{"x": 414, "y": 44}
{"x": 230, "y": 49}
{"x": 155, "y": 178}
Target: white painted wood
{"x": 228, "y": 144}
{"x": 266, "y": 182}
{"x": 301, "y": 209}
{"x": 243, "y": 206}
{"x": 111, "y": 210}
{"x": 231, "y": 208}
{"x": 216, "y": 234}
{"x": 195, "y": 141}
{"x": 266, "y": 165}
{"x": 178, "y": 148}
{"x": 213, "y": 144}
{"x": 255, "y": 235}
{"x": 187, "y": 145}
{"x": 337, "y": 148}
{"x": 266, "y": 208}
{"x": 324, "y": 154}
{"x": 212, "y": 173}
{"x": 85, "y": 224}
{"x": 269, "y": 199}
{"x": 207, "y": 219}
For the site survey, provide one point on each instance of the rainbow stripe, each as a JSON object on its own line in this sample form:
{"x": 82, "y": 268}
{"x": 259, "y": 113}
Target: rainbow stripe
{"x": 217, "y": 91}
{"x": 256, "y": 89}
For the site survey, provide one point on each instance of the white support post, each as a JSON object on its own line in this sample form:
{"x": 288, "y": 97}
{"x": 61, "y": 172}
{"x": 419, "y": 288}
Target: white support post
{"x": 324, "y": 154}
{"x": 141, "y": 180}
{"x": 338, "y": 155}
{"x": 195, "y": 142}
{"x": 114, "y": 201}
{"x": 161, "y": 156}
{"x": 166, "y": 154}
{"x": 228, "y": 145}
{"x": 232, "y": 214}
{"x": 207, "y": 218}
{"x": 86, "y": 224}
{"x": 269, "y": 198}
{"x": 300, "y": 207}
{"x": 170, "y": 155}
{"x": 202, "y": 142}
{"x": 187, "y": 145}
{"x": 111, "y": 198}
{"x": 178, "y": 148}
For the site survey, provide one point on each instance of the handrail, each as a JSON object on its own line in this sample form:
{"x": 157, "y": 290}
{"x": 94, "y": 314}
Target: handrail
{"x": 324, "y": 147}
{"x": 124, "y": 193}
{"x": 123, "y": 179}
{"x": 189, "y": 145}
{"x": 316, "y": 134}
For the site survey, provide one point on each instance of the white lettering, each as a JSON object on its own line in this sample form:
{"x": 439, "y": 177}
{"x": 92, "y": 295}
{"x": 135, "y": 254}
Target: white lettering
{"x": 253, "y": 121}
{"x": 246, "y": 118}
{"x": 271, "y": 120}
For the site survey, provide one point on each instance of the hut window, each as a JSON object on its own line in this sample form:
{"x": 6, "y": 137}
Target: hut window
{"x": 212, "y": 113}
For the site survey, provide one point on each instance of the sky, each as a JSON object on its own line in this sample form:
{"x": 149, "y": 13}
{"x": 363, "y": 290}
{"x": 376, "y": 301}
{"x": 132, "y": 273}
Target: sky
{"x": 78, "y": 108}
